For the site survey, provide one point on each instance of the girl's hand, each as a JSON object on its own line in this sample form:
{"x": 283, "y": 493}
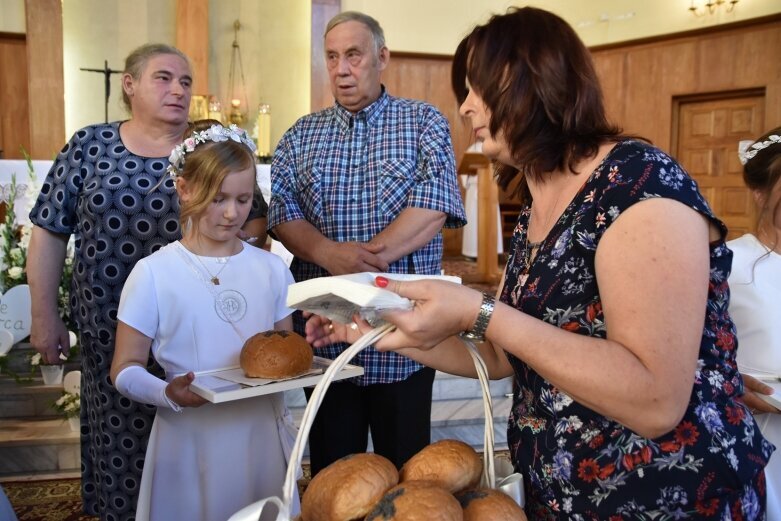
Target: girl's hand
{"x": 442, "y": 309}
{"x": 178, "y": 391}
{"x": 753, "y": 387}
{"x": 321, "y": 331}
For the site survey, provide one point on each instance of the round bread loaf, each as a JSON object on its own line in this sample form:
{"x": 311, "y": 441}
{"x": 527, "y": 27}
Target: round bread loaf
{"x": 417, "y": 501}
{"x": 348, "y": 488}
{"x": 275, "y": 354}
{"x": 451, "y": 463}
{"x": 485, "y": 504}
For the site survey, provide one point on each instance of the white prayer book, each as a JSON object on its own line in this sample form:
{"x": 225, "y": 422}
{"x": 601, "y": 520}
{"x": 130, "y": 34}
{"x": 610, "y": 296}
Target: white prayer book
{"x": 342, "y": 296}
{"x": 224, "y": 385}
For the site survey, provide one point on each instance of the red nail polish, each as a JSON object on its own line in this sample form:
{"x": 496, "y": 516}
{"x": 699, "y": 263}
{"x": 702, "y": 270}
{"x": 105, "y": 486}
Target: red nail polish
{"x": 381, "y": 282}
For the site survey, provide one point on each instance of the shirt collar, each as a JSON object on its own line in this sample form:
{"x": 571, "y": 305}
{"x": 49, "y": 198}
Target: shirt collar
{"x": 371, "y": 113}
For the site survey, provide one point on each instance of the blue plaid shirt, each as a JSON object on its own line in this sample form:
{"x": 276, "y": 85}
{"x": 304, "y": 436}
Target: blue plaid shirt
{"x": 351, "y": 175}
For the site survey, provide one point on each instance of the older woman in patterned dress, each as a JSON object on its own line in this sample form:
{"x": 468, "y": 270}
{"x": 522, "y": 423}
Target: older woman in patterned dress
{"x": 108, "y": 187}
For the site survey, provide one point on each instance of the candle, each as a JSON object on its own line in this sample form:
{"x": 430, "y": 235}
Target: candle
{"x": 264, "y": 130}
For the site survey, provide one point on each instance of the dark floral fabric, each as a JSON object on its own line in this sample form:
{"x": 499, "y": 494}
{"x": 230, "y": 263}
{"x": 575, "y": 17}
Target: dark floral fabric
{"x": 578, "y": 464}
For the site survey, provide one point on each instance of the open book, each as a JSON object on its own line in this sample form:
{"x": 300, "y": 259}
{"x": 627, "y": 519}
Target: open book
{"x": 340, "y": 297}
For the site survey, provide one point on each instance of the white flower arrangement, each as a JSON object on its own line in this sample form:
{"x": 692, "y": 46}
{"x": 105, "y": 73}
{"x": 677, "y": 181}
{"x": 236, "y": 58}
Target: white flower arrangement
{"x": 14, "y": 242}
{"x": 216, "y": 133}
{"x": 69, "y": 404}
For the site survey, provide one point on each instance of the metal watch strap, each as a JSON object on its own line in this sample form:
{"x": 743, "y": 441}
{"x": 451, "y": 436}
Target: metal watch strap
{"x": 481, "y": 322}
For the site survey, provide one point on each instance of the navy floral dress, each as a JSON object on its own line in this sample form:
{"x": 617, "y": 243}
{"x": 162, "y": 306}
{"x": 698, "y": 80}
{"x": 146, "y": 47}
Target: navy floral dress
{"x": 114, "y": 203}
{"x": 580, "y": 465}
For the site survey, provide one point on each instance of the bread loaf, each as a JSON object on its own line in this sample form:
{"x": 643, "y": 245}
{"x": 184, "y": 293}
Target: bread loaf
{"x": 275, "y": 354}
{"x": 451, "y": 463}
{"x": 417, "y": 501}
{"x": 485, "y": 504}
{"x": 348, "y": 488}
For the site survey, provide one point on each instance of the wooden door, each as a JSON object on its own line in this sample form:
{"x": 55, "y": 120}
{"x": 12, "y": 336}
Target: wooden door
{"x": 14, "y": 114}
{"x": 707, "y": 135}
{"x": 427, "y": 78}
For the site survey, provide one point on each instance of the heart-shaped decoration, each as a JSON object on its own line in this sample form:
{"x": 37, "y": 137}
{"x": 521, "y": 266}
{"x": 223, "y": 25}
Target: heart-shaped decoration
{"x": 6, "y": 341}
{"x": 15, "y": 312}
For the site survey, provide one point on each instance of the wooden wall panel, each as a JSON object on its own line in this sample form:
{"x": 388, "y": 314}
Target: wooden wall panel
{"x": 612, "y": 71}
{"x": 45, "y": 82}
{"x": 14, "y": 106}
{"x": 192, "y": 38}
{"x": 320, "y": 89}
{"x": 721, "y": 59}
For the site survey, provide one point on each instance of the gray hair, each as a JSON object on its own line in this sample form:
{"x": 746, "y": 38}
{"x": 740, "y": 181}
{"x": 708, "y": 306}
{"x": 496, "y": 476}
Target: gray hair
{"x": 136, "y": 61}
{"x": 378, "y": 35}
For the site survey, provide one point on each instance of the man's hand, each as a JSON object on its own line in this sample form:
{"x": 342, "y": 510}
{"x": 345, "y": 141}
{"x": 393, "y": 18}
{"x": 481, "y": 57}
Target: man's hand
{"x": 354, "y": 257}
{"x": 50, "y": 338}
{"x": 179, "y": 391}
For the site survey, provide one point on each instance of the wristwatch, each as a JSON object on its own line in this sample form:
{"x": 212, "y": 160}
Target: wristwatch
{"x": 477, "y": 333}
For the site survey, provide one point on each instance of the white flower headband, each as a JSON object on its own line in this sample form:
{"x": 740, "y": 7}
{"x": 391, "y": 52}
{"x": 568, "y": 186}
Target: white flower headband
{"x": 216, "y": 133}
{"x": 754, "y": 149}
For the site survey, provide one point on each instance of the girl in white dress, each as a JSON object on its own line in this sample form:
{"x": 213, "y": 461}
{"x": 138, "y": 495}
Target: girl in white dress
{"x": 755, "y": 302}
{"x": 194, "y": 303}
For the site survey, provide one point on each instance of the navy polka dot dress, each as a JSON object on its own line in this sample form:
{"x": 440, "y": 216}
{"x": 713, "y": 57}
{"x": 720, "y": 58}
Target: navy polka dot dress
{"x": 118, "y": 209}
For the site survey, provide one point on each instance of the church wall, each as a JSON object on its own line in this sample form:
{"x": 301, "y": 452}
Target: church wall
{"x": 436, "y": 26}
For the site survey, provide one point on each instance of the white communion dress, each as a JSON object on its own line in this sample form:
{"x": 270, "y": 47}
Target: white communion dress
{"x": 755, "y": 307}
{"x": 206, "y": 463}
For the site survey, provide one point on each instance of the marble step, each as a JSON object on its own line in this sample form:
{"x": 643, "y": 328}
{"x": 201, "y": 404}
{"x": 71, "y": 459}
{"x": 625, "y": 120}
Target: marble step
{"x": 28, "y": 400}
{"x": 38, "y": 446}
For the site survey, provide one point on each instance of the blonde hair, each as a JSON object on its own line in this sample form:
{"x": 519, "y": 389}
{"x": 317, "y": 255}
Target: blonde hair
{"x": 136, "y": 62}
{"x": 206, "y": 168}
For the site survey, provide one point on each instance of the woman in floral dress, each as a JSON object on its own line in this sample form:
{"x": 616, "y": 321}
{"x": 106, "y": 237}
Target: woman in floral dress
{"x": 612, "y": 315}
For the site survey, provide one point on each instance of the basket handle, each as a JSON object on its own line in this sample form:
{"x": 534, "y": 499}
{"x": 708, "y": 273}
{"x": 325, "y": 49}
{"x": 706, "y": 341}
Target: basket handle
{"x": 489, "y": 472}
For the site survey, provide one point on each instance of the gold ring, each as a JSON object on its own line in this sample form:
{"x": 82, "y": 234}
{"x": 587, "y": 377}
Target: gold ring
{"x": 330, "y": 327}
{"x": 354, "y": 326}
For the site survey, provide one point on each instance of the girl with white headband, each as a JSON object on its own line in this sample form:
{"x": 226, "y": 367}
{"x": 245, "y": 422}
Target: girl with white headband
{"x": 193, "y": 303}
{"x": 755, "y": 301}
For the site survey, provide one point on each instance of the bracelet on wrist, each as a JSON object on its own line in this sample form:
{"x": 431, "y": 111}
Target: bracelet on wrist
{"x": 477, "y": 332}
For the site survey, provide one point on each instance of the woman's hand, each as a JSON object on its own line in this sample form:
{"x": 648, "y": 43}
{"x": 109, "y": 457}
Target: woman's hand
{"x": 50, "y": 338}
{"x": 321, "y": 331}
{"x": 441, "y": 309}
{"x": 178, "y": 391}
{"x": 753, "y": 387}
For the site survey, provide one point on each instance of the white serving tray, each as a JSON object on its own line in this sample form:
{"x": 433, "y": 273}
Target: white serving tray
{"x": 224, "y": 385}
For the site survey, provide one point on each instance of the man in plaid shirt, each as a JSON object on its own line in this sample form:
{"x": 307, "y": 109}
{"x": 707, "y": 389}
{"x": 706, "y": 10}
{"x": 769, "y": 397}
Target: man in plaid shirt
{"x": 366, "y": 185}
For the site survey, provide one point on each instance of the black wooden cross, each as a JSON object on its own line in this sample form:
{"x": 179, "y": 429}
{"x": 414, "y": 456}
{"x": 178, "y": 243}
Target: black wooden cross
{"x": 107, "y": 73}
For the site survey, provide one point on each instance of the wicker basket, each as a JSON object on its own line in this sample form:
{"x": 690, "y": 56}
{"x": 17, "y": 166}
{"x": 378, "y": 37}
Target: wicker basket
{"x": 507, "y": 481}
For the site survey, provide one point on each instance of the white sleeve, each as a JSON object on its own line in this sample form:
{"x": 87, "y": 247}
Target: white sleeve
{"x": 138, "y": 384}
{"x": 138, "y": 306}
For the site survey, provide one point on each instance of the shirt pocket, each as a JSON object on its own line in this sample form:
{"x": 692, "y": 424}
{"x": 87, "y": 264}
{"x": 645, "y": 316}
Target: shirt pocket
{"x": 310, "y": 194}
{"x": 396, "y": 182}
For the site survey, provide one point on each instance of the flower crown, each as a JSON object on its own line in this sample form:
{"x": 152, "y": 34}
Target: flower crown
{"x": 216, "y": 133}
{"x": 754, "y": 149}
